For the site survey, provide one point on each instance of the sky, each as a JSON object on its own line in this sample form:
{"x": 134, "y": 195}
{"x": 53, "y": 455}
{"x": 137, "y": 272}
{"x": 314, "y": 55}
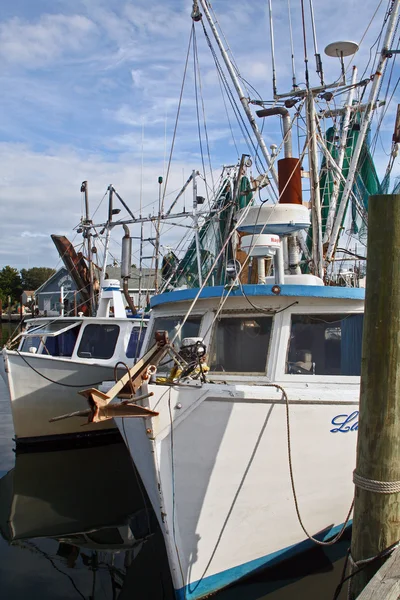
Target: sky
{"x": 90, "y": 91}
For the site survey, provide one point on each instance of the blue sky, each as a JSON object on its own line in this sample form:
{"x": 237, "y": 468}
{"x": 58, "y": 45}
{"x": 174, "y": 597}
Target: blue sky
{"x": 91, "y": 88}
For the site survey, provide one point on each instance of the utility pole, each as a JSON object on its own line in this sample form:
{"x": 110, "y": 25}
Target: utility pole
{"x": 376, "y": 524}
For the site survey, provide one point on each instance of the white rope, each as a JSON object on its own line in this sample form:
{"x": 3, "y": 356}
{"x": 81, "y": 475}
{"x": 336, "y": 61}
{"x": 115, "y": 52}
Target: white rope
{"x": 372, "y": 485}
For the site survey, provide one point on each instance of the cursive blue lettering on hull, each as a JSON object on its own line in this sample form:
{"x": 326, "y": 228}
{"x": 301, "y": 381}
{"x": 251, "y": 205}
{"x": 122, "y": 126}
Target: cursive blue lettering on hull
{"x": 345, "y": 423}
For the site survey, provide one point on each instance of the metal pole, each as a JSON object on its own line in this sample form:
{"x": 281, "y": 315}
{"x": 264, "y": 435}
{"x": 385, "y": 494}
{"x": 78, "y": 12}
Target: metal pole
{"x": 318, "y": 60}
{"x": 89, "y": 247}
{"x": 242, "y": 98}
{"x": 340, "y": 159}
{"x": 271, "y": 29}
{"x": 390, "y": 30}
{"x": 157, "y": 244}
{"x": 294, "y": 82}
{"x": 196, "y": 228}
{"x": 62, "y": 300}
{"x": 108, "y": 234}
{"x": 314, "y": 188}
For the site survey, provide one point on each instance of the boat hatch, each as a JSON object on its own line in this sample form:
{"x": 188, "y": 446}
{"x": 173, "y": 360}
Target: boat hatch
{"x": 98, "y": 341}
{"x": 241, "y": 344}
{"x": 325, "y": 344}
{"x": 54, "y": 338}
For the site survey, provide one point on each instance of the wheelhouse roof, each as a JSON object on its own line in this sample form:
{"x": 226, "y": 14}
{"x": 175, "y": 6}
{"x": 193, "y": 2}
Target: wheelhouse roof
{"x": 303, "y": 291}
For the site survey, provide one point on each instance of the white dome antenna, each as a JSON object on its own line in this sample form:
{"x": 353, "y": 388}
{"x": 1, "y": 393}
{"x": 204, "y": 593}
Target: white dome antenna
{"x": 340, "y": 50}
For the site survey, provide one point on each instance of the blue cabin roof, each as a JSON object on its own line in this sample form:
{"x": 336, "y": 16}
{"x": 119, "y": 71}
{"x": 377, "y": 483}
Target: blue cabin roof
{"x": 304, "y": 291}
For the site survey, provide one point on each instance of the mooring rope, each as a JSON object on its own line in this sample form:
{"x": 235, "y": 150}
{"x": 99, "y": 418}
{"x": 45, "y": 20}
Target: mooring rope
{"x": 337, "y": 537}
{"x": 373, "y": 485}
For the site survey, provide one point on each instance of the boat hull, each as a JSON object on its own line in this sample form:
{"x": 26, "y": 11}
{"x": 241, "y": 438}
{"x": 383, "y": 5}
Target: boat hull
{"x": 215, "y": 466}
{"x": 42, "y": 387}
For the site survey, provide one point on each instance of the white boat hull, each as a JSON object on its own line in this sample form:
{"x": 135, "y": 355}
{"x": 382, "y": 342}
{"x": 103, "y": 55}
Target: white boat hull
{"x": 219, "y": 480}
{"x": 43, "y": 387}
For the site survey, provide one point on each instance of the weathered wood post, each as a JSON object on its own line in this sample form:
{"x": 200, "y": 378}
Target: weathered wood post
{"x": 376, "y": 524}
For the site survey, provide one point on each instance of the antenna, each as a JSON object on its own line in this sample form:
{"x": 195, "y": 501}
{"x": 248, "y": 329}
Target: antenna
{"x": 340, "y": 50}
{"x": 318, "y": 60}
{"x": 294, "y": 82}
{"x": 271, "y": 29}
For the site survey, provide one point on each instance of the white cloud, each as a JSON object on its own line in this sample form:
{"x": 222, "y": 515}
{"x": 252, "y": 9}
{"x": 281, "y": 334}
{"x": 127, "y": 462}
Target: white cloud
{"x": 44, "y": 41}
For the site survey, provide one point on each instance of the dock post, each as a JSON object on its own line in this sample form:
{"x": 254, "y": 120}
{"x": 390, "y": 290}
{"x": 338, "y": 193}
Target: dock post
{"x": 376, "y": 524}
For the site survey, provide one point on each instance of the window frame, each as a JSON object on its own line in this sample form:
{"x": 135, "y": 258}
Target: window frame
{"x": 34, "y": 331}
{"x": 280, "y": 374}
{"x": 82, "y": 333}
{"x": 149, "y": 340}
{"x": 242, "y": 375}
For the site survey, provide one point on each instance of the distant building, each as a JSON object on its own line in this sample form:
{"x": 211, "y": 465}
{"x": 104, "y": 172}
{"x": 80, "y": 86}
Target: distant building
{"x": 146, "y": 285}
{"x": 48, "y": 295}
{"x": 27, "y": 297}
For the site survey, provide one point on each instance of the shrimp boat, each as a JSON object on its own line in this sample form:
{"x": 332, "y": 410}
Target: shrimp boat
{"x": 51, "y": 359}
{"x": 248, "y": 444}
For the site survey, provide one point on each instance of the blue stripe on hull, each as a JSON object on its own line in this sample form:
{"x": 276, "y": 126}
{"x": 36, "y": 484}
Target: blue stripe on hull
{"x": 208, "y": 585}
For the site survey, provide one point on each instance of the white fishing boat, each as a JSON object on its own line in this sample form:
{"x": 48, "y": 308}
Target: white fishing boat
{"x": 53, "y": 358}
{"x": 248, "y": 451}
{"x": 50, "y": 359}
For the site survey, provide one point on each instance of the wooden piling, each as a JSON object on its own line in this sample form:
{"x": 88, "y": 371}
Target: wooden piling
{"x": 376, "y": 524}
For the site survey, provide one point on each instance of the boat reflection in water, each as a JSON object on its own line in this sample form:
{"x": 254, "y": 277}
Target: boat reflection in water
{"x": 84, "y": 524}
{"x": 75, "y": 524}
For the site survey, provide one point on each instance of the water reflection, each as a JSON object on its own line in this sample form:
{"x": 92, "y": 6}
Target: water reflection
{"x": 76, "y": 524}
{"x": 76, "y": 521}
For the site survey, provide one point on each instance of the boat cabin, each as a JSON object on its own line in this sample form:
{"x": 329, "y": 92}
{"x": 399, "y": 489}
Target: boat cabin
{"x": 266, "y": 332}
{"x": 84, "y": 339}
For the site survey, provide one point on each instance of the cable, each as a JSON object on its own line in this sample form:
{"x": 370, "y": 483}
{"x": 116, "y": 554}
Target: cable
{"x": 57, "y": 382}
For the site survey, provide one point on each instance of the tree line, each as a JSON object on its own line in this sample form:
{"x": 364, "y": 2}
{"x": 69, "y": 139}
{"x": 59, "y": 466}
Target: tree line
{"x": 14, "y": 282}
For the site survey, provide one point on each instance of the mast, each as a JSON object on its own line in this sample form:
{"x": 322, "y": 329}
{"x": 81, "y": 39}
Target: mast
{"x": 385, "y": 54}
{"x": 196, "y": 228}
{"x": 314, "y": 187}
{"x": 271, "y": 30}
{"x": 108, "y": 233}
{"x": 88, "y": 235}
{"x": 157, "y": 243}
{"x": 244, "y": 101}
{"x": 340, "y": 159}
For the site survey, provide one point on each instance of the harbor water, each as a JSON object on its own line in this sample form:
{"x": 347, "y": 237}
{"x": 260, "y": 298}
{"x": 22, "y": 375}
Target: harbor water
{"x": 75, "y": 523}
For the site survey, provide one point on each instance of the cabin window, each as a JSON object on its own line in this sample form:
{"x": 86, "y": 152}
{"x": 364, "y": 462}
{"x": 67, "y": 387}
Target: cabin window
{"x": 58, "y": 337}
{"x": 325, "y": 344}
{"x": 240, "y": 344}
{"x": 62, "y": 344}
{"x": 171, "y": 325}
{"x": 135, "y": 342}
{"x": 30, "y": 342}
{"x": 98, "y": 341}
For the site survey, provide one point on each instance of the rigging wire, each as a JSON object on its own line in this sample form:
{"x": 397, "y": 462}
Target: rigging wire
{"x": 178, "y": 112}
{"x": 232, "y": 99}
{"x": 196, "y": 70}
